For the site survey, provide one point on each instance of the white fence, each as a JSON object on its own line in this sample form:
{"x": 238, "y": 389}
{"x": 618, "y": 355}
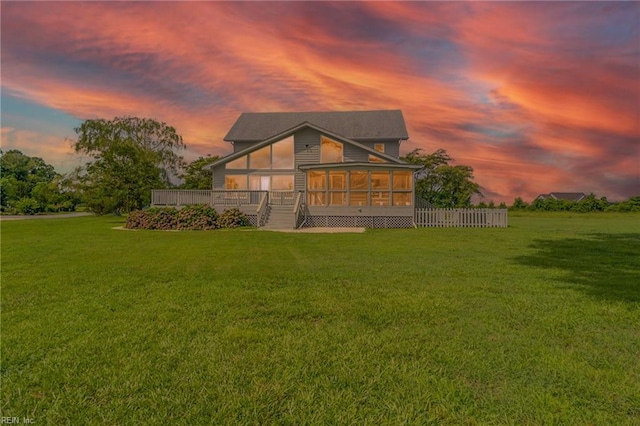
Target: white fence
{"x": 457, "y": 218}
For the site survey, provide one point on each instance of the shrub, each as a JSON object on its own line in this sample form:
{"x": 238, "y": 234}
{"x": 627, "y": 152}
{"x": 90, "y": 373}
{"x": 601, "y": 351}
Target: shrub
{"x": 233, "y": 218}
{"x": 197, "y": 217}
{"x": 28, "y": 206}
{"x": 194, "y": 217}
{"x": 153, "y": 218}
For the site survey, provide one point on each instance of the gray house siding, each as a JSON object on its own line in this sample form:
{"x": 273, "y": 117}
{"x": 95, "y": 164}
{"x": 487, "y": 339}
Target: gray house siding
{"x": 239, "y": 146}
{"x": 218, "y": 177}
{"x": 307, "y": 151}
{"x": 391, "y": 148}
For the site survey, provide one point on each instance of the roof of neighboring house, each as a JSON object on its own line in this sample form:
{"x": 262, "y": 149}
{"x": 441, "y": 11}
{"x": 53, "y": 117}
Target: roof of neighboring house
{"x": 354, "y": 125}
{"x": 566, "y": 196}
{"x": 289, "y": 132}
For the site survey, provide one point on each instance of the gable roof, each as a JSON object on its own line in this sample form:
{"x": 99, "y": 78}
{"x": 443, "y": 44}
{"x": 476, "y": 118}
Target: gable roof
{"x": 289, "y": 132}
{"x": 354, "y": 125}
{"x": 566, "y": 196}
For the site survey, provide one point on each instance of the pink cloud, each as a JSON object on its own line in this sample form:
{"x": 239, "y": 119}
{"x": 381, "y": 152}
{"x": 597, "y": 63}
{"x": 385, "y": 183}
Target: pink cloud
{"x": 519, "y": 91}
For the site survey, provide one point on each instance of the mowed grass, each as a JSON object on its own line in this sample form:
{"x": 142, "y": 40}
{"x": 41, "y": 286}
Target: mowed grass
{"x": 535, "y": 324}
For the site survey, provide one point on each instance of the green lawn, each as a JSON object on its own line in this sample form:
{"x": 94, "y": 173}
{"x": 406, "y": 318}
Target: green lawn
{"x": 535, "y": 324}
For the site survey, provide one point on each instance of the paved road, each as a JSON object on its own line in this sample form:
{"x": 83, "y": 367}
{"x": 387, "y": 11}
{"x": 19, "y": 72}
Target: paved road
{"x": 44, "y": 216}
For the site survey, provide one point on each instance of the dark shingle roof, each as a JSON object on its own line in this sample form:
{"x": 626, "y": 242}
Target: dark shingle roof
{"x": 567, "y": 196}
{"x": 356, "y": 125}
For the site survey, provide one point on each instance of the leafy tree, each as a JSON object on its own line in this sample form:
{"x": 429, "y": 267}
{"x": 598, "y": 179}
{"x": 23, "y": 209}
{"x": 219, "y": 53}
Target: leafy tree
{"x": 131, "y": 156}
{"x": 630, "y": 205}
{"x": 519, "y": 204}
{"x": 29, "y": 185}
{"x": 440, "y": 183}
{"x": 197, "y": 178}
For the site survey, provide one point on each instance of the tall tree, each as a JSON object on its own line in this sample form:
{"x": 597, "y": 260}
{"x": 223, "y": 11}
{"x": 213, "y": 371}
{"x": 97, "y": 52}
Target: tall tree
{"x": 31, "y": 182}
{"x": 440, "y": 183}
{"x": 131, "y": 156}
{"x": 195, "y": 176}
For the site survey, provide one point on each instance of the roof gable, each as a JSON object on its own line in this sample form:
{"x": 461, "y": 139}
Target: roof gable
{"x": 289, "y": 132}
{"x": 566, "y": 196}
{"x": 354, "y": 125}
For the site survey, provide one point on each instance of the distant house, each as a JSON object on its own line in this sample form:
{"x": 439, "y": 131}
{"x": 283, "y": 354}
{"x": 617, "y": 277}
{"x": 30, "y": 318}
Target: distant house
{"x": 564, "y": 196}
{"x": 293, "y": 169}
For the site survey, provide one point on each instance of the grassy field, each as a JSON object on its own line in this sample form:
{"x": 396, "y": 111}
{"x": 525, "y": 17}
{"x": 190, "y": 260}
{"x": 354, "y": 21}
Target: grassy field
{"x": 535, "y": 324}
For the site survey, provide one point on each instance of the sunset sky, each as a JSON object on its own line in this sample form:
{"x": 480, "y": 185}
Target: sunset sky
{"x": 536, "y": 97}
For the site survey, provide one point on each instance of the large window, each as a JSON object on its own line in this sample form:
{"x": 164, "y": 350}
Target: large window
{"x": 331, "y": 151}
{"x": 380, "y": 188}
{"x": 236, "y": 182}
{"x": 337, "y": 188}
{"x": 374, "y": 158}
{"x": 238, "y": 163}
{"x": 316, "y": 185}
{"x": 282, "y": 182}
{"x": 360, "y": 188}
{"x": 275, "y": 156}
{"x": 282, "y": 154}
{"x": 402, "y": 183}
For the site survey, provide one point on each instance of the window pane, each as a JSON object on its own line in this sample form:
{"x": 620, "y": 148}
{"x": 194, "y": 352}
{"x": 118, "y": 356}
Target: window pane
{"x": 379, "y": 180}
{"x": 380, "y": 148}
{"x": 236, "y": 182}
{"x": 283, "y": 154}
{"x": 379, "y": 198}
{"x": 401, "y": 198}
{"x": 316, "y": 180}
{"x": 402, "y": 180}
{"x": 282, "y": 182}
{"x": 337, "y": 180}
{"x": 238, "y": 163}
{"x": 260, "y": 158}
{"x": 316, "y": 198}
{"x": 358, "y": 198}
{"x": 338, "y": 198}
{"x": 331, "y": 151}
{"x": 359, "y": 180}
{"x": 254, "y": 182}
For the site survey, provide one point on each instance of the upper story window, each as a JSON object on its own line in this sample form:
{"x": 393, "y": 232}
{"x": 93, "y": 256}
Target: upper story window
{"x": 331, "y": 151}
{"x": 278, "y": 155}
{"x": 375, "y": 159}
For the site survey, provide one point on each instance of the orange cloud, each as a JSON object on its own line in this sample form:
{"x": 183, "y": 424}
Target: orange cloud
{"x": 527, "y": 94}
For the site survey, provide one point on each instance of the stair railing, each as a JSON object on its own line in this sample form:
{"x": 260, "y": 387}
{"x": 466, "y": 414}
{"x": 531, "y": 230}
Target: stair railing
{"x": 262, "y": 208}
{"x": 298, "y": 208}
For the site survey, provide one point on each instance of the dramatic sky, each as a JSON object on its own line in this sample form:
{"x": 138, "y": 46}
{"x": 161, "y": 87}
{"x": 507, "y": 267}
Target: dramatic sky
{"x": 536, "y": 97}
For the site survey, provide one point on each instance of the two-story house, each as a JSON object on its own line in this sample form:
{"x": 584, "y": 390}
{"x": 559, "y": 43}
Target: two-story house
{"x": 306, "y": 169}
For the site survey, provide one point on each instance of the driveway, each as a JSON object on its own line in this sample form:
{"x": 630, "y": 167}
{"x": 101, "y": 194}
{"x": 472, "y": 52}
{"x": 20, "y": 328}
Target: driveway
{"x": 44, "y": 216}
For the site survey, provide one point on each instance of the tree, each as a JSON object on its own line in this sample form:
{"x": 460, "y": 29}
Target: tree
{"x": 131, "y": 156}
{"x": 30, "y": 185}
{"x": 441, "y": 184}
{"x": 196, "y": 177}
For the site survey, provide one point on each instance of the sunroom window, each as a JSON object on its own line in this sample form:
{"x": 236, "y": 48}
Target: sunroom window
{"x": 337, "y": 188}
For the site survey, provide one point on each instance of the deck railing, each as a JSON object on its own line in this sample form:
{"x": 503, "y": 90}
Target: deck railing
{"x": 184, "y": 197}
{"x": 473, "y": 218}
{"x": 282, "y": 198}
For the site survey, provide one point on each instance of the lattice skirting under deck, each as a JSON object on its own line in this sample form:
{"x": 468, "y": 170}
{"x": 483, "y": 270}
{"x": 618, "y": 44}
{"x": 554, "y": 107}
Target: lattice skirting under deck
{"x": 359, "y": 221}
{"x": 253, "y": 219}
